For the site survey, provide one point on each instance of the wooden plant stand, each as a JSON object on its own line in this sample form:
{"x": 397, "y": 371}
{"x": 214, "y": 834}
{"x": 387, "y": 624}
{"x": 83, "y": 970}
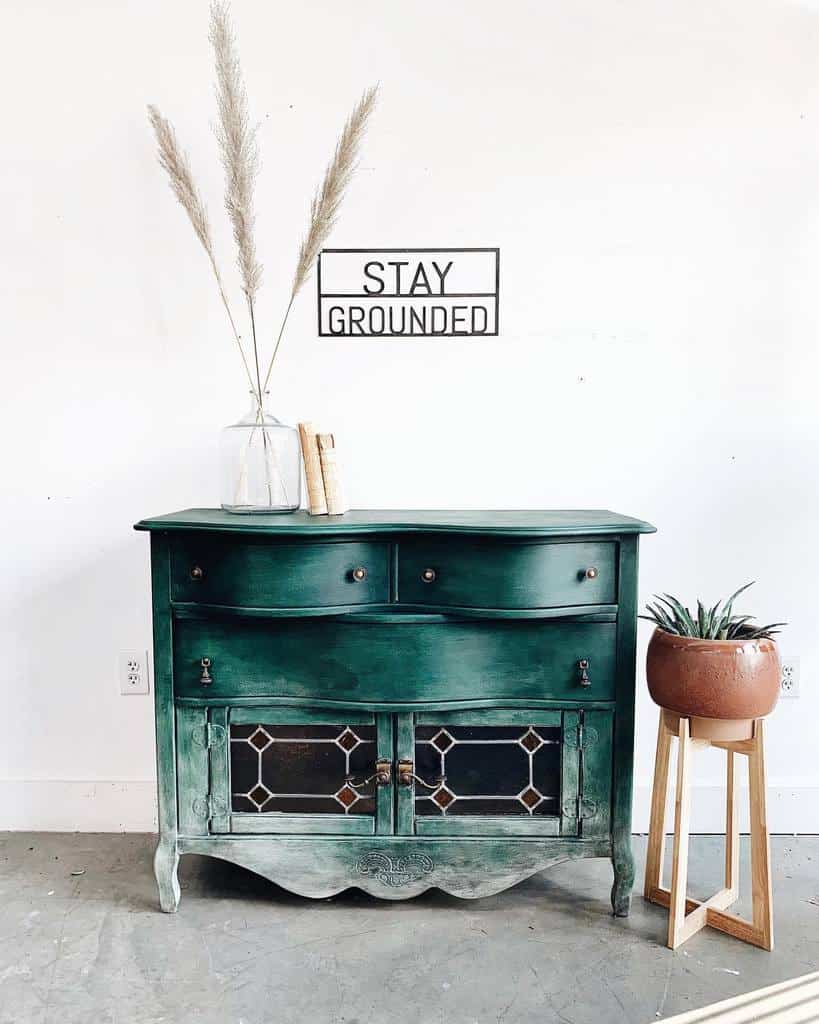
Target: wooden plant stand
{"x": 688, "y": 916}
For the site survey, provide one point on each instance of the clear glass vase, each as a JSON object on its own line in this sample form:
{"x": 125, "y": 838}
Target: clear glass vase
{"x": 261, "y": 463}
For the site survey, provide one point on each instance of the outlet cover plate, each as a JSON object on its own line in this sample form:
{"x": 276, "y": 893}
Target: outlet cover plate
{"x": 133, "y": 673}
{"x": 789, "y": 678}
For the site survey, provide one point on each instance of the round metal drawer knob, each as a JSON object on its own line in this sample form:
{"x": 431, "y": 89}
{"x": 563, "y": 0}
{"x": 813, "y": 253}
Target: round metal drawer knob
{"x": 429, "y": 575}
{"x": 592, "y": 573}
{"x": 197, "y": 572}
{"x": 359, "y": 574}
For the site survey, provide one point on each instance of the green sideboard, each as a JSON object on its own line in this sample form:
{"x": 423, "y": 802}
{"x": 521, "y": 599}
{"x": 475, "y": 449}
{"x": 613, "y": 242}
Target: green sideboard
{"x": 395, "y": 700}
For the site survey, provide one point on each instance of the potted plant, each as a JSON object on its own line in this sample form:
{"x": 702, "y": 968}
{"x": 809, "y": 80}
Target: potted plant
{"x": 715, "y": 664}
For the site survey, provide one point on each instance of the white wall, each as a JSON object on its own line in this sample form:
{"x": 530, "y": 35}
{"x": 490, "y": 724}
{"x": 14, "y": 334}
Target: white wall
{"x": 650, "y": 172}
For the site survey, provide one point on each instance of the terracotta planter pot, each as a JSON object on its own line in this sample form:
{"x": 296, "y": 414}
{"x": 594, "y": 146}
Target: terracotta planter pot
{"x": 736, "y": 679}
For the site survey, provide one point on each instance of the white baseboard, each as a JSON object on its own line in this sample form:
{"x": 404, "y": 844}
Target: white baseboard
{"x": 75, "y": 805}
{"x": 46, "y": 805}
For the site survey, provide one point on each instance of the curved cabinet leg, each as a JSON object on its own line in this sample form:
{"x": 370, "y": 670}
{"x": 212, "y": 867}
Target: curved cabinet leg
{"x": 166, "y": 862}
{"x": 622, "y": 861}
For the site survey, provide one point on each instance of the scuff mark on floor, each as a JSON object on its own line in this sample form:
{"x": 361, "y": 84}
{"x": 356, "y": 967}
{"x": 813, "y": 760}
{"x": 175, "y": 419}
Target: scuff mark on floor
{"x": 664, "y": 996}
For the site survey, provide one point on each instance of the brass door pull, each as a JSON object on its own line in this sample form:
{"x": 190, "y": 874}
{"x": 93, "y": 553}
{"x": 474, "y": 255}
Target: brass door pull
{"x": 206, "y": 678}
{"x": 429, "y": 576}
{"x": 382, "y": 775}
{"x": 406, "y": 776}
{"x": 197, "y": 573}
{"x": 591, "y": 573}
{"x": 359, "y": 574}
{"x": 583, "y": 665}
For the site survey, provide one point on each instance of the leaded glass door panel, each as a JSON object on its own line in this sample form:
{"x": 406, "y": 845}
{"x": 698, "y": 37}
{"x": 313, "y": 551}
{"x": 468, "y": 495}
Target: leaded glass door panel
{"x": 304, "y": 771}
{"x": 498, "y": 772}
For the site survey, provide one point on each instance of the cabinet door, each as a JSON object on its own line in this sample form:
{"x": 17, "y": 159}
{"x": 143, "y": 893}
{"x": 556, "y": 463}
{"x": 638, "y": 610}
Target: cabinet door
{"x": 287, "y": 769}
{"x": 498, "y": 772}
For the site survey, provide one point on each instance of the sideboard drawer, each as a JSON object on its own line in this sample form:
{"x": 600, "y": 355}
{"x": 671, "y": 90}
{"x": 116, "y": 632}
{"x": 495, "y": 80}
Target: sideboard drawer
{"x": 393, "y": 662}
{"x": 486, "y": 574}
{"x": 267, "y": 574}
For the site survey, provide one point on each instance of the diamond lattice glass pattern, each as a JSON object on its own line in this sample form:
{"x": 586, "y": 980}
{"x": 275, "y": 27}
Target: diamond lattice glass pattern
{"x": 301, "y": 769}
{"x": 488, "y": 770}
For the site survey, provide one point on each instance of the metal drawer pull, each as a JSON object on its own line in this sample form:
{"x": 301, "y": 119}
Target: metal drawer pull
{"x": 583, "y": 665}
{"x": 359, "y": 574}
{"x": 197, "y": 573}
{"x": 429, "y": 575}
{"x": 382, "y": 775}
{"x": 206, "y": 678}
{"x": 406, "y": 776}
{"x": 591, "y": 573}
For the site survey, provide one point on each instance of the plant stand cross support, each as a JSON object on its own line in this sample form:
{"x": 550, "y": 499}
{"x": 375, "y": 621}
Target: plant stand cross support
{"x": 688, "y": 916}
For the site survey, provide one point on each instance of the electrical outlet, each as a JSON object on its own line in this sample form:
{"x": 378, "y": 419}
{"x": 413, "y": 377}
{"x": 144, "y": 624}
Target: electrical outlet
{"x": 789, "y": 678}
{"x": 133, "y": 672}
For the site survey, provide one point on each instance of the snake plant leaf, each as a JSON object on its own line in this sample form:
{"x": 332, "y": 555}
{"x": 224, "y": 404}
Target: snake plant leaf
{"x": 683, "y": 613}
{"x": 660, "y": 614}
{"x": 764, "y": 632}
{"x": 712, "y": 622}
{"x": 716, "y": 623}
{"x": 677, "y": 625}
{"x": 737, "y": 624}
{"x": 728, "y": 607}
{"x": 736, "y": 593}
{"x": 659, "y": 618}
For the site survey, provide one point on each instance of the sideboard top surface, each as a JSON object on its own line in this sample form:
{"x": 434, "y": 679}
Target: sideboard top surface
{"x": 511, "y": 523}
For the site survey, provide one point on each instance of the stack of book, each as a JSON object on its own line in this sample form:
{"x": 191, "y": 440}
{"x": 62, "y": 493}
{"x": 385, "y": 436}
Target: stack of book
{"x": 324, "y": 493}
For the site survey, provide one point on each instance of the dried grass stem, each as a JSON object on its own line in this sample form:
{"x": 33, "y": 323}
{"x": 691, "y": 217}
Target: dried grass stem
{"x": 238, "y": 146}
{"x": 327, "y": 201}
{"x": 174, "y": 162}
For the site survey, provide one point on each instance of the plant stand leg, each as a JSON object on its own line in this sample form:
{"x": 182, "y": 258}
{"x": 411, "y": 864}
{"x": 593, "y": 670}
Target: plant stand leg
{"x": 166, "y": 862}
{"x": 682, "y": 819}
{"x": 731, "y": 829}
{"x": 760, "y": 843}
{"x": 659, "y": 794}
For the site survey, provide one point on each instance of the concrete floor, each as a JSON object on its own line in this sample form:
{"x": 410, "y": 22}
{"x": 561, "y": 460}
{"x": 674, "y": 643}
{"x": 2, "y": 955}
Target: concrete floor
{"x": 92, "y": 947}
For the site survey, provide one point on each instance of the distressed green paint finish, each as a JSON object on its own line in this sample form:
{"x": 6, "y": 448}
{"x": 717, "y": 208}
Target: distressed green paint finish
{"x": 380, "y": 612}
{"x": 570, "y": 768}
{"x": 265, "y": 573}
{"x": 193, "y": 738}
{"x": 385, "y": 795}
{"x": 492, "y": 825}
{"x": 303, "y": 824}
{"x": 219, "y": 770}
{"x": 433, "y": 705}
{"x": 396, "y": 867}
{"x": 296, "y": 716}
{"x": 404, "y": 751}
{"x": 596, "y": 755}
{"x": 498, "y": 574}
{"x": 166, "y": 858}
{"x": 290, "y": 632}
{"x": 623, "y": 764}
{"x": 400, "y": 662}
{"x": 382, "y": 523}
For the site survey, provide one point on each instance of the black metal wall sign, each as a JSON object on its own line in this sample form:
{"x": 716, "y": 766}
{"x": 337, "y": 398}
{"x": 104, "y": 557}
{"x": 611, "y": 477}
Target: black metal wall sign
{"x": 412, "y": 293}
